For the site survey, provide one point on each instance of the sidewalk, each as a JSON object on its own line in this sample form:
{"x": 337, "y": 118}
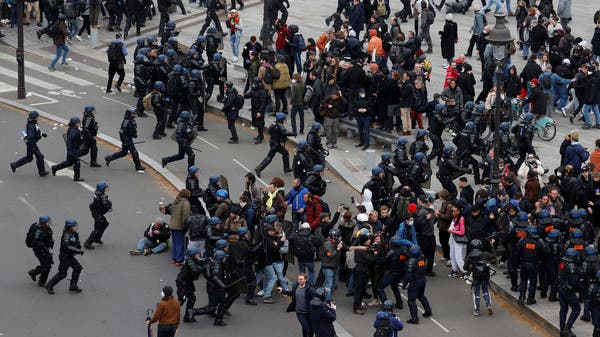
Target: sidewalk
{"x": 346, "y": 161}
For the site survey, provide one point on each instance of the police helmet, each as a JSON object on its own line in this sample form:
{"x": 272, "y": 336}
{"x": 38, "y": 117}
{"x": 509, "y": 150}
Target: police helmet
{"x": 139, "y": 58}
{"x": 577, "y": 233}
{"x": 220, "y": 255}
{"x": 33, "y": 114}
{"x": 280, "y": 116}
{"x": 171, "y": 24}
{"x": 334, "y": 233}
{"x": 213, "y": 221}
{"x": 575, "y": 217}
{"x": 213, "y": 179}
{"x": 553, "y": 235}
{"x": 469, "y": 105}
{"x": 241, "y": 231}
{"x": 151, "y": 39}
{"x": 200, "y": 39}
{"x": 402, "y": 142}
{"x": 140, "y": 41}
{"x": 302, "y": 144}
{"x": 177, "y": 68}
{"x": 570, "y": 254}
{"x": 193, "y": 169}
{"x": 131, "y": 112}
{"x": 479, "y": 108}
{"x": 222, "y": 194}
{"x": 88, "y": 108}
{"x": 414, "y": 250}
{"x": 504, "y": 126}
{"x": 74, "y": 120}
{"x": 192, "y": 52}
{"x": 470, "y": 126}
{"x": 476, "y": 244}
{"x": 161, "y": 57}
{"x": 220, "y": 244}
{"x": 43, "y": 219}
{"x": 439, "y": 107}
{"x": 184, "y": 114}
{"x": 211, "y": 30}
{"x": 101, "y": 186}
{"x": 158, "y": 85}
{"x": 191, "y": 251}
{"x": 70, "y": 222}
{"x": 388, "y": 305}
{"x": 528, "y": 116}
{"x": 217, "y": 57}
{"x": 590, "y": 250}
{"x": 419, "y": 156}
{"x": 386, "y": 156}
{"x": 271, "y": 218}
{"x": 376, "y": 170}
{"x": 318, "y": 168}
{"x": 171, "y": 52}
{"x": 531, "y": 231}
{"x": 448, "y": 150}
{"x": 422, "y": 133}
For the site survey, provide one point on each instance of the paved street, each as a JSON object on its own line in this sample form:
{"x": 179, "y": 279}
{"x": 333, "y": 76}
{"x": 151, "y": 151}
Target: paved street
{"x": 118, "y": 288}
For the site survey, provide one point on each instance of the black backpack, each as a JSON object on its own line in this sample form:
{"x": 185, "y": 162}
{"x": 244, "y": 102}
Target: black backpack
{"x": 53, "y": 31}
{"x": 268, "y": 77}
{"x": 239, "y": 102}
{"x": 29, "y": 239}
{"x": 383, "y": 327}
{"x": 70, "y": 10}
{"x": 481, "y": 270}
{"x": 115, "y": 52}
{"x": 303, "y": 248}
{"x": 547, "y": 82}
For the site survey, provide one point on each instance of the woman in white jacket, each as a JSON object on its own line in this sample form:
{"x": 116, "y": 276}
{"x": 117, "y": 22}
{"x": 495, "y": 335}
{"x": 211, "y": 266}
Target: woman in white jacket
{"x": 532, "y": 163}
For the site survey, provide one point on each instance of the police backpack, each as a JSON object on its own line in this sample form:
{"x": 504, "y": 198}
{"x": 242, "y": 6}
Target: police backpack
{"x": 383, "y": 327}
{"x": 481, "y": 270}
{"x": 29, "y": 239}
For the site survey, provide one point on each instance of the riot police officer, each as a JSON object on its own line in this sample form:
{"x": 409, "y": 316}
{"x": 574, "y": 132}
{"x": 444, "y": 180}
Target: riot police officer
{"x": 316, "y": 150}
{"x": 568, "y": 286}
{"x": 587, "y": 273}
{"x": 211, "y": 16}
{"x": 550, "y": 265}
{"x": 231, "y": 109}
{"x": 401, "y": 160}
{"x": 418, "y": 174}
{"x": 436, "y": 128}
{"x": 158, "y": 106}
{"x": 39, "y": 238}
{"x": 469, "y": 143}
{"x": 389, "y": 170}
{"x": 376, "y": 185}
{"x": 415, "y": 281}
{"x": 217, "y": 286}
{"x": 259, "y": 99}
{"x": 210, "y": 194}
{"x": 69, "y": 246}
{"x": 594, "y": 295}
{"x": 175, "y": 89}
{"x": 506, "y": 146}
{"x": 477, "y": 262}
{"x": 190, "y": 272}
{"x": 141, "y": 80}
{"x": 99, "y": 207}
{"x": 529, "y": 251}
{"x": 396, "y": 259}
{"x": 195, "y": 92}
{"x": 192, "y": 184}
{"x": 242, "y": 252}
{"x": 524, "y": 135}
{"x": 216, "y": 73}
{"x": 89, "y": 130}
{"x": 185, "y": 136}
{"x": 302, "y": 163}
{"x": 31, "y": 135}
{"x": 73, "y": 141}
{"x": 279, "y": 135}
{"x": 517, "y": 233}
{"x": 127, "y": 133}
{"x": 419, "y": 144}
{"x": 314, "y": 181}
{"x": 450, "y": 170}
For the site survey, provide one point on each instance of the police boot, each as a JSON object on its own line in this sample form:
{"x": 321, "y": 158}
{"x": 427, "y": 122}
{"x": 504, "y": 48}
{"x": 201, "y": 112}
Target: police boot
{"x": 88, "y": 245}
{"x": 219, "y": 322}
{"x": 74, "y": 279}
{"x": 50, "y": 286}
{"x": 33, "y": 275}
{"x": 250, "y": 300}
{"x": 567, "y": 332}
{"x": 137, "y": 162}
{"x": 596, "y": 332}
{"x": 189, "y": 316}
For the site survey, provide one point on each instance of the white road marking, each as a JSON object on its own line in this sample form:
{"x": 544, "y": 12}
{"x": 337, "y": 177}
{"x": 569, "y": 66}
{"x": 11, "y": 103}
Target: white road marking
{"x": 340, "y": 331}
{"x": 5, "y": 87}
{"x": 29, "y": 79}
{"x": 50, "y": 100}
{"x": 118, "y": 102}
{"x": 28, "y": 204}
{"x": 209, "y": 143}
{"x": 245, "y": 168}
{"x": 57, "y": 74}
{"x": 430, "y": 318}
{"x": 66, "y": 172}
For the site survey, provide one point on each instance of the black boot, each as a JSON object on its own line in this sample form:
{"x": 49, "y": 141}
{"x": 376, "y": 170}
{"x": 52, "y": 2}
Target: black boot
{"x": 189, "y": 316}
{"x": 250, "y": 300}
{"x": 74, "y": 279}
{"x": 32, "y": 274}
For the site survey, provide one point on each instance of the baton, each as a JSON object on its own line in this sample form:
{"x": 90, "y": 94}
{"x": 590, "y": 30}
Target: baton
{"x": 195, "y": 149}
{"x": 236, "y": 282}
{"x": 139, "y": 142}
{"x": 77, "y": 157}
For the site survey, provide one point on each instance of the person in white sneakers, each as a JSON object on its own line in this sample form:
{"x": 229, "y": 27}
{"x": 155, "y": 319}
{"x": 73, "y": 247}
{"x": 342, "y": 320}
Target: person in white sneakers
{"x": 234, "y": 24}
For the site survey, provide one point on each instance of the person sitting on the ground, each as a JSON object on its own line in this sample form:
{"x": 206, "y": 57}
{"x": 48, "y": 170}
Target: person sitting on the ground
{"x": 155, "y": 238}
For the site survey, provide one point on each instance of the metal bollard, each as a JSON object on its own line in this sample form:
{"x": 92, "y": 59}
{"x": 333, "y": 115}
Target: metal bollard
{"x": 370, "y": 156}
{"x": 94, "y": 36}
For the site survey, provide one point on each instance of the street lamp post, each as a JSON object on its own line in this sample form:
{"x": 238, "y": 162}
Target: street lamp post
{"x": 499, "y": 38}
{"x": 20, "y": 52}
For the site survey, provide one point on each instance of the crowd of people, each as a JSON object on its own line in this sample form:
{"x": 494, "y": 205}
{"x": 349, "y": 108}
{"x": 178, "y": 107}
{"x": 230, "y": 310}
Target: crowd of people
{"x": 537, "y": 228}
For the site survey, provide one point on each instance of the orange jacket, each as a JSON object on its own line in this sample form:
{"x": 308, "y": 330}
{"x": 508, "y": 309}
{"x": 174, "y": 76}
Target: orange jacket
{"x": 375, "y": 43}
{"x": 322, "y": 41}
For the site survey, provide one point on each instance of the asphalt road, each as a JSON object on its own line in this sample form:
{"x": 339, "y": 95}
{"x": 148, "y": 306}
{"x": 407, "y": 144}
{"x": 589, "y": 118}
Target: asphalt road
{"x": 118, "y": 288}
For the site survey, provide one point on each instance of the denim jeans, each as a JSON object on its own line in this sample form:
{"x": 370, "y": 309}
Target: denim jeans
{"x": 561, "y": 94}
{"x": 525, "y": 50}
{"x": 298, "y": 61}
{"x": 177, "y": 245}
{"x": 302, "y": 266}
{"x": 508, "y": 9}
{"x": 297, "y": 109}
{"x": 304, "y": 320}
{"x": 297, "y": 218}
{"x": 269, "y": 280}
{"x": 330, "y": 280}
{"x": 278, "y": 267}
{"x": 74, "y": 25}
{"x": 498, "y": 3}
{"x": 364, "y": 132}
{"x": 586, "y": 113}
{"x": 235, "y": 42}
{"x": 145, "y": 243}
{"x": 64, "y": 50}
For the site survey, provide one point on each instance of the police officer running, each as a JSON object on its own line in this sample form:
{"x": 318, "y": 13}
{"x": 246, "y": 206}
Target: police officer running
{"x": 185, "y": 136}
{"x": 478, "y": 263}
{"x": 39, "y": 238}
{"x": 99, "y": 207}
{"x": 73, "y": 144}
{"x": 127, "y": 132}
{"x": 31, "y": 135}
{"x": 89, "y": 130}
{"x": 279, "y": 135}
{"x": 69, "y": 246}
{"x": 415, "y": 281}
